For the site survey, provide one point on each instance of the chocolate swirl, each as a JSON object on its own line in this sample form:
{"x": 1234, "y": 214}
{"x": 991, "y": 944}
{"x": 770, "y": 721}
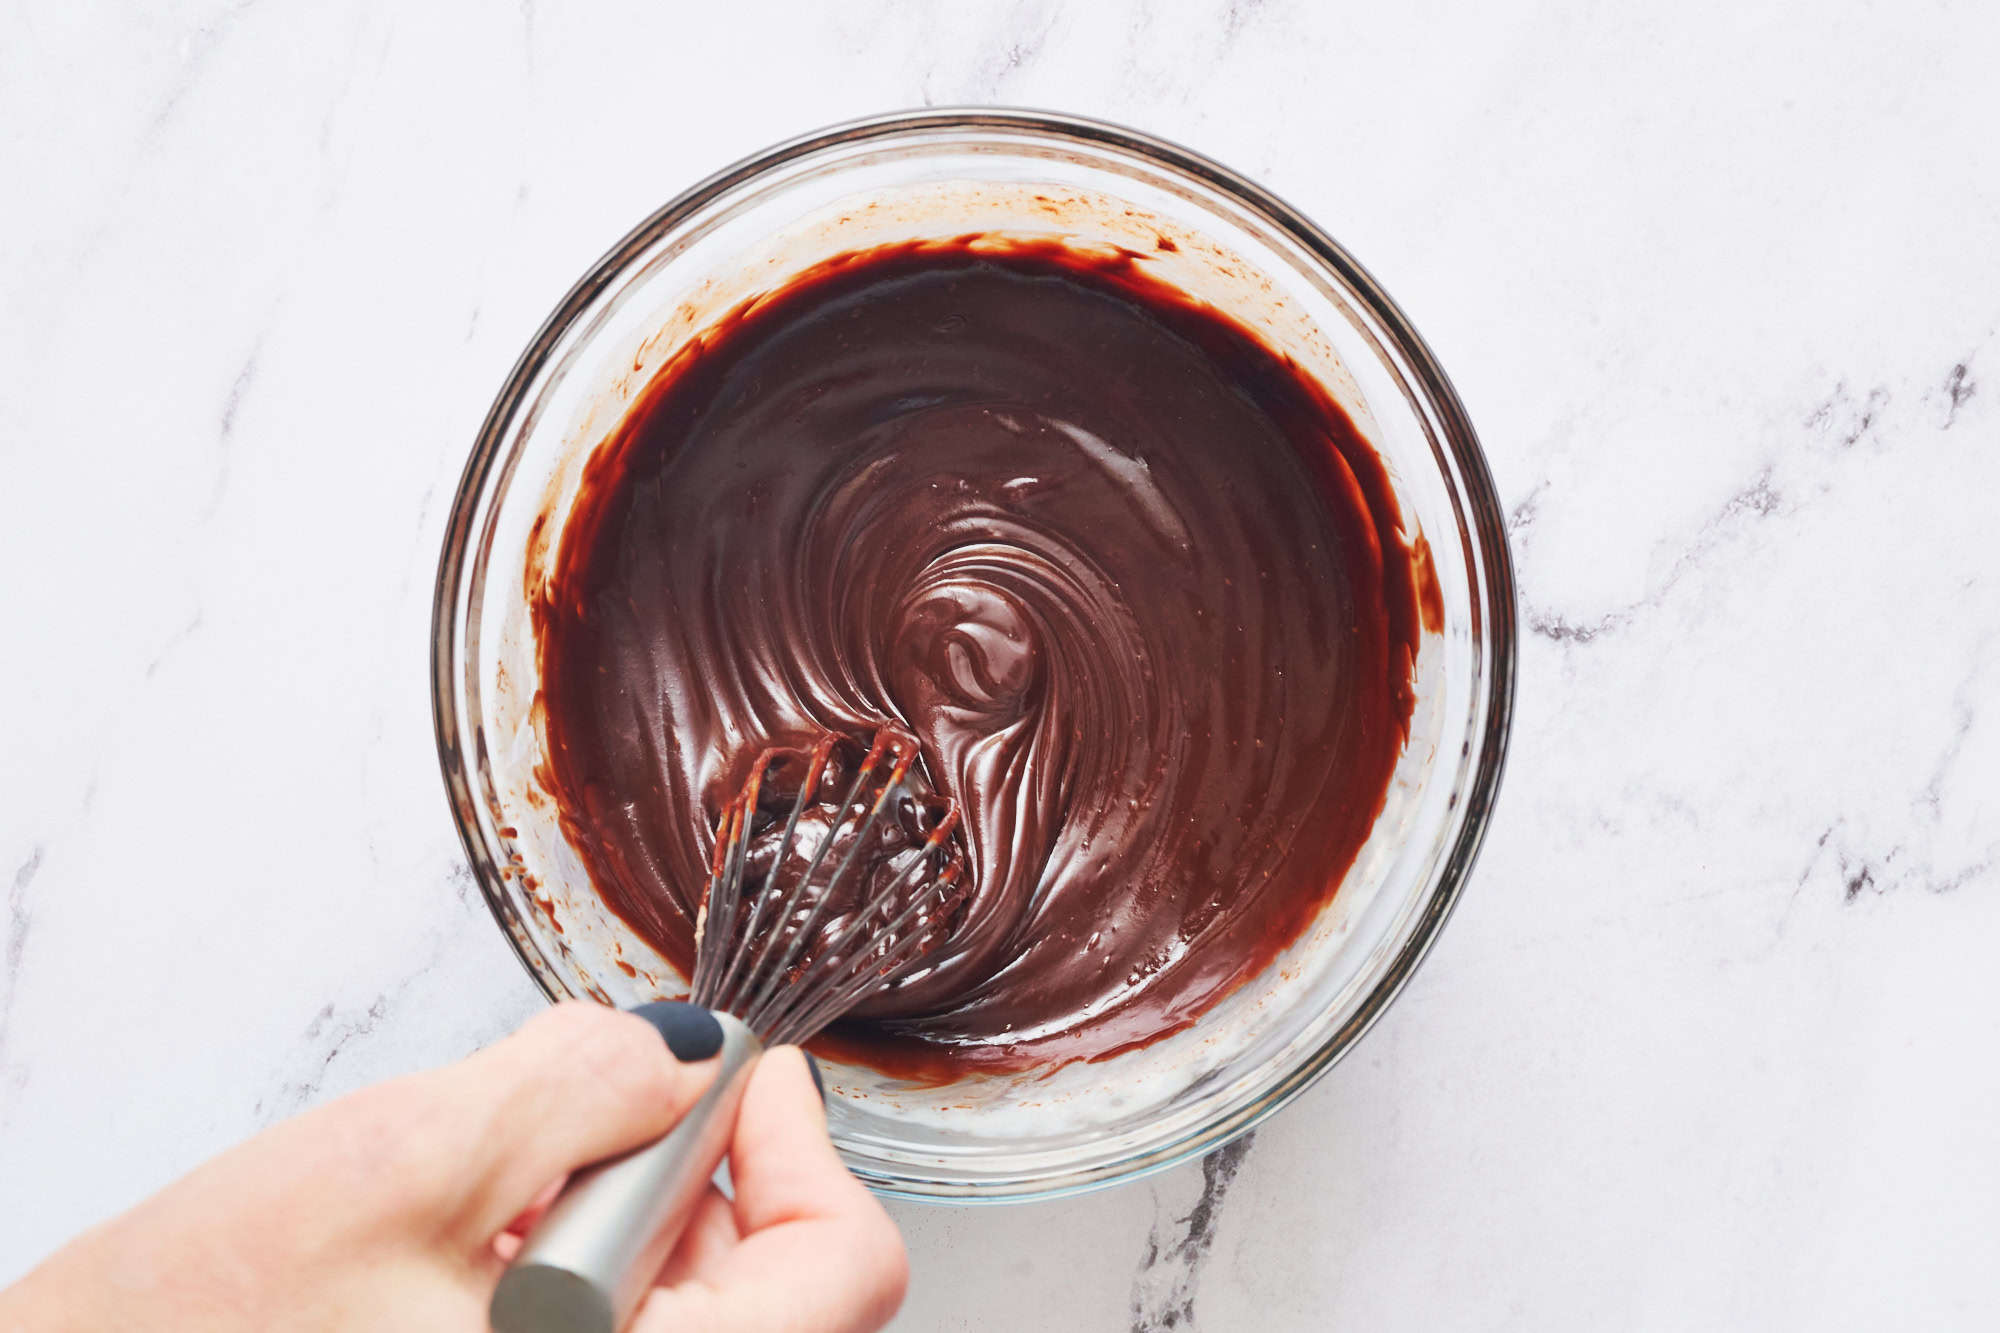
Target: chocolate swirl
{"x": 1135, "y": 583}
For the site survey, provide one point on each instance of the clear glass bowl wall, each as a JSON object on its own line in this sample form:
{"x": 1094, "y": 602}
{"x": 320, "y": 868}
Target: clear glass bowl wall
{"x": 944, "y": 174}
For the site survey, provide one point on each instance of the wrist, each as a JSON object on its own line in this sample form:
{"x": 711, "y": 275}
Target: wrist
{"x": 48, "y": 1301}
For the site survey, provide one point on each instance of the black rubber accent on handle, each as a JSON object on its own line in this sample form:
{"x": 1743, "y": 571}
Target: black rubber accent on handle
{"x": 812, "y": 1067}
{"x": 691, "y": 1031}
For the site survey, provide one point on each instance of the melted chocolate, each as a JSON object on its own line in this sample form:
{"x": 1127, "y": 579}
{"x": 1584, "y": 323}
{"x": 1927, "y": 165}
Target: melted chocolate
{"x": 1134, "y": 581}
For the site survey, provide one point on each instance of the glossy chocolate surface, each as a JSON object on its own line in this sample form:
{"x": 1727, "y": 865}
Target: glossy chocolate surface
{"x": 1135, "y": 582}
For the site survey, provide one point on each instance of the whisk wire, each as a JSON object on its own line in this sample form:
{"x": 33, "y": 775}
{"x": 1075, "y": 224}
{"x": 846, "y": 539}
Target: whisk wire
{"x": 839, "y": 965}
{"x": 738, "y": 1001}
{"x": 764, "y": 952}
{"x": 774, "y": 977}
{"x": 724, "y": 986}
{"x": 866, "y": 973}
{"x": 712, "y": 900}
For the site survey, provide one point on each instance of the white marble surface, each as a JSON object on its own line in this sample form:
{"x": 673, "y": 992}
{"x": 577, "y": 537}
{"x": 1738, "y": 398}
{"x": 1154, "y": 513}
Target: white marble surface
{"x": 1714, "y": 1040}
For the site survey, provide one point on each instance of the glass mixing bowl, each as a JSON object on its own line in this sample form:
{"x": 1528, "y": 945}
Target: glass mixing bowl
{"x": 1207, "y": 230}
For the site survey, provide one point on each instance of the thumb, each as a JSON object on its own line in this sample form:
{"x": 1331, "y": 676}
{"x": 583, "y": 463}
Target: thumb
{"x": 577, "y": 1084}
{"x": 817, "y": 1252}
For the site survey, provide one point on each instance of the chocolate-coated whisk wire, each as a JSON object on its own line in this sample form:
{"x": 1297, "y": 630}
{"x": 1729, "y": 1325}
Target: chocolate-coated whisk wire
{"x": 761, "y": 953}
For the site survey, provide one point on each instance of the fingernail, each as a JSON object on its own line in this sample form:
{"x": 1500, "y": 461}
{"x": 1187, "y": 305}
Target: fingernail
{"x": 812, "y": 1067}
{"x": 691, "y": 1032}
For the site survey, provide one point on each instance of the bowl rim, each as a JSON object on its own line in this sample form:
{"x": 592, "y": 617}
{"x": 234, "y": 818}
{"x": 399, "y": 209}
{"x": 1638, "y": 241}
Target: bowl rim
{"x": 1482, "y": 510}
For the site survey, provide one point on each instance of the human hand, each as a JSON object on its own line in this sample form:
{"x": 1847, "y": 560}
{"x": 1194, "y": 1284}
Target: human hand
{"x": 397, "y": 1207}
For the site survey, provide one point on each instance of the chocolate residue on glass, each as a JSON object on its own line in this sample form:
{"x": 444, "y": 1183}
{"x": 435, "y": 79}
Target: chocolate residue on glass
{"x": 1134, "y": 581}
{"x": 1430, "y": 594}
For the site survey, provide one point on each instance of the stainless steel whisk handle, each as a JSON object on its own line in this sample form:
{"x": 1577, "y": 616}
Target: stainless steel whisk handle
{"x": 591, "y": 1259}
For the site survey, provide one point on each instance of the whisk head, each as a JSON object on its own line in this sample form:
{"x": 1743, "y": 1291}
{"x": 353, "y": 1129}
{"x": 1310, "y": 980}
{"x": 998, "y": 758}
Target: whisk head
{"x": 832, "y": 876}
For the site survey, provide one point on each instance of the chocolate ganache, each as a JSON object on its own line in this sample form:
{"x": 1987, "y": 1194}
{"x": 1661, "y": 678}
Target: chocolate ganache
{"x": 1135, "y": 582}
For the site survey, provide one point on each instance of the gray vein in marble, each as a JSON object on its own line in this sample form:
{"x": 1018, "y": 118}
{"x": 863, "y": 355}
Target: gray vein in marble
{"x": 1018, "y": 54}
{"x": 1756, "y": 500}
{"x": 1932, "y": 796}
{"x": 339, "y": 1032}
{"x": 17, "y": 928}
{"x": 200, "y": 46}
{"x": 1860, "y": 869}
{"x": 1964, "y": 714}
{"x": 1863, "y": 870}
{"x": 225, "y": 431}
{"x": 1523, "y": 515}
{"x": 296, "y": 1095}
{"x": 1864, "y": 867}
{"x": 420, "y": 538}
{"x": 1032, "y": 25}
{"x": 1169, "y": 1277}
{"x": 1846, "y": 420}
{"x": 1238, "y": 16}
{"x": 323, "y": 142}
{"x": 1555, "y": 626}
{"x": 1959, "y": 386}
{"x": 334, "y": 1032}
{"x": 1840, "y": 417}
{"x": 90, "y": 239}
{"x": 167, "y": 650}
{"x": 19, "y": 918}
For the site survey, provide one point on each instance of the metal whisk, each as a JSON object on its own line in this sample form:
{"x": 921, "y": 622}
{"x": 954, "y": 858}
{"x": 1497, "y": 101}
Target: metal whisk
{"x": 810, "y": 909}
{"x": 784, "y": 961}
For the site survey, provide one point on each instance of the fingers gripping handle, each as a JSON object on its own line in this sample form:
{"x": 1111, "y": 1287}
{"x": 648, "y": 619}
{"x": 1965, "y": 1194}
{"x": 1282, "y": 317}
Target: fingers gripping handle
{"x": 593, "y": 1256}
